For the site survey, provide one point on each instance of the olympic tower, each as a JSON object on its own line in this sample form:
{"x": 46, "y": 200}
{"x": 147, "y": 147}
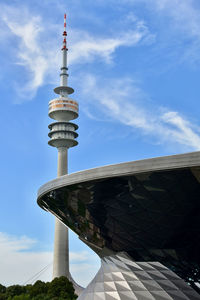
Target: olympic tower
{"x": 62, "y": 136}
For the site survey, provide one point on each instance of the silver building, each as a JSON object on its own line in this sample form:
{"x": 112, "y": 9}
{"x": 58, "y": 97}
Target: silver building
{"x": 142, "y": 218}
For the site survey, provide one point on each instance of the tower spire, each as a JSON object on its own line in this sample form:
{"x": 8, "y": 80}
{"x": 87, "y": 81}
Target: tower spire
{"x": 64, "y": 69}
{"x": 65, "y": 33}
{"x": 64, "y": 90}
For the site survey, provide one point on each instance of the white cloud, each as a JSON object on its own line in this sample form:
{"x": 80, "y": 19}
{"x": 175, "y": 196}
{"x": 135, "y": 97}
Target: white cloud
{"x": 177, "y": 26}
{"x": 32, "y": 49}
{"x": 184, "y": 13}
{"x": 85, "y": 46}
{"x": 181, "y": 130}
{"x": 37, "y": 50}
{"x": 19, "y": 262}
{"x": 184, "y": 23}
{"x": 125, "y": 104}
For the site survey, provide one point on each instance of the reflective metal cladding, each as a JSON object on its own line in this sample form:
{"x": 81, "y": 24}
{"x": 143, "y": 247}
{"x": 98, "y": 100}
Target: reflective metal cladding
{"x": 152, "y": 216}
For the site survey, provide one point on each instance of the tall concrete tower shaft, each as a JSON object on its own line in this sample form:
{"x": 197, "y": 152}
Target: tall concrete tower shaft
{"x": 62, "y": 136}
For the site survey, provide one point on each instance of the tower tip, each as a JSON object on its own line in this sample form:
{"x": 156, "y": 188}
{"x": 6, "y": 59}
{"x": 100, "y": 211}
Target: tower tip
{"x": 64, "y": 34}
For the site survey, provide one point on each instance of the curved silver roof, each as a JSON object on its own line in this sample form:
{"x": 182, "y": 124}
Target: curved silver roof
{"x": 179, "y": 161}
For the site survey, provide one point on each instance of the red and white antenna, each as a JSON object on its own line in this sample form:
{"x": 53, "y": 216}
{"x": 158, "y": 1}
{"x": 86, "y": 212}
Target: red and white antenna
{"x": 64, "y": 90}
{"x": 65, "y": 33}
{"x": 64, "y": 75}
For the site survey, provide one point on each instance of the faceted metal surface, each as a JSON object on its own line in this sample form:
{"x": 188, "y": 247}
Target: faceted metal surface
{"x": 120, "y": 278}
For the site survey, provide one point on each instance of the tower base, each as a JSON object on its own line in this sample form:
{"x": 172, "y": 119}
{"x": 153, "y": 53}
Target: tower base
{"x": 120, "y": 278}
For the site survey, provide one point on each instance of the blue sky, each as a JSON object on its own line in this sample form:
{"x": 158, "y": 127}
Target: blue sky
{"x": 135, "y": 68}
